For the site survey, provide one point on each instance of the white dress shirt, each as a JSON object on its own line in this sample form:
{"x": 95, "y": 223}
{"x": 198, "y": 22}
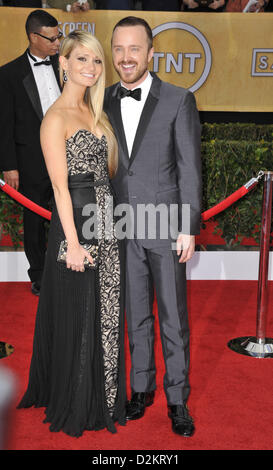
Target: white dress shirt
{"x": 46, "y": 82}
{"x": 131, "y": 110}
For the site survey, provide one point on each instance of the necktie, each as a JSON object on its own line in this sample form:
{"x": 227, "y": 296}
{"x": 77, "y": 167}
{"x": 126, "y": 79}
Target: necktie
{"x": 122, "y": 92}
{"x": 42, "y": 62}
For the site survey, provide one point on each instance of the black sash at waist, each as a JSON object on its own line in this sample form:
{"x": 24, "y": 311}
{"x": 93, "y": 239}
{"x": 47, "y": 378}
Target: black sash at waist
{"x": 81, "y": 188}
{"x": 85, "y": 180}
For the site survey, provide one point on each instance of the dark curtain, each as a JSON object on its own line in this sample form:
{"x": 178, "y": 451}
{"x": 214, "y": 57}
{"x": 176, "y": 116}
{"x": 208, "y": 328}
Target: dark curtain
{"x": 23, "y": 3}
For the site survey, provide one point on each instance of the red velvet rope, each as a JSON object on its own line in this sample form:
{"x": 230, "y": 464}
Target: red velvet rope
{"x": 224, "y": 204}
{"x": 24, "y": 200}
{"x": 205, "y": 215}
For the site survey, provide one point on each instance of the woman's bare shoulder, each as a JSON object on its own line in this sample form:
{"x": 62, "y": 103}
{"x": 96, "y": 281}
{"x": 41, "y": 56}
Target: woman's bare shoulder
{"x": 55, "y": 118}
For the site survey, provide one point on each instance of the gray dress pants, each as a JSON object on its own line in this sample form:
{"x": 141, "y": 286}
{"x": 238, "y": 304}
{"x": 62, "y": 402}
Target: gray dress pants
{"x": 148, "y": 270}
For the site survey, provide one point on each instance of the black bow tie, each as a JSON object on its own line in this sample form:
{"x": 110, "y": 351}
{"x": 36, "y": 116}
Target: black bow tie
{"x": 122, "y": 92}
{"x": 42, "y": 62}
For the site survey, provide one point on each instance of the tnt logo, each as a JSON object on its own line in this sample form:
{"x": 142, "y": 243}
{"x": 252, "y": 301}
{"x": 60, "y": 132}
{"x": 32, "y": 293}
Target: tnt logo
{"x": 262, "y": 63}
{"x": 186, "y": 52}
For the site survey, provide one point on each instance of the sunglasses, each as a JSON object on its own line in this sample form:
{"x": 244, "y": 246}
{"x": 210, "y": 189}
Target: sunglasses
{"x": 52, "y": 39}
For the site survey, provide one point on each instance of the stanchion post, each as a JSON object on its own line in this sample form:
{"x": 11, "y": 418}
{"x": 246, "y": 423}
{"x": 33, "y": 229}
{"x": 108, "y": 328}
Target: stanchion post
{"x": 262, "y": 302}
{"x": 260, "y": 346}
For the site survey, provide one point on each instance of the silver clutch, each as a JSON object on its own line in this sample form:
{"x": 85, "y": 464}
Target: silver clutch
{"x": 93, "y": 250}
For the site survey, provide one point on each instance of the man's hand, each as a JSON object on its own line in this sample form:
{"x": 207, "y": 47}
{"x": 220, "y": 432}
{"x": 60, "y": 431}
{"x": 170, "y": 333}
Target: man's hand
{"x": 191, "y": 4}
{"x": 75, "y": 7}
{"x": 217, "y": 4}
{"x": 257, "y": 6}
{"x": 12, "y": 178}
{"x": 185, "y": 246}
{"x": 85, "y": 6}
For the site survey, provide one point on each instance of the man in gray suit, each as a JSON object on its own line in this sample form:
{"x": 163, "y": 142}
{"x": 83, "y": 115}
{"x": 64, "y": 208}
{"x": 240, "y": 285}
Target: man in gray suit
{"x": 158, "y": 131}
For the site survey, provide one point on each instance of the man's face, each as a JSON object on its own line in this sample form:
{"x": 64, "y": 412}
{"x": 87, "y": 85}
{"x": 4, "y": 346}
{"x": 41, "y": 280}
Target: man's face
{"x": 131, "y": 54}
{"x": 42, "y": 47}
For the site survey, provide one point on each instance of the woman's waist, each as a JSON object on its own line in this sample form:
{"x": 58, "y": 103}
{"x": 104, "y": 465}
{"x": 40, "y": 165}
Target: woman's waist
{"x": 86, "y": 180}
{"x": 82, "y": 188}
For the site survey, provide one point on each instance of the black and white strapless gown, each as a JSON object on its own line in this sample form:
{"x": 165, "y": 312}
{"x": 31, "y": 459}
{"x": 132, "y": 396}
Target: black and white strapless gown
{"x": 77, "y": 369}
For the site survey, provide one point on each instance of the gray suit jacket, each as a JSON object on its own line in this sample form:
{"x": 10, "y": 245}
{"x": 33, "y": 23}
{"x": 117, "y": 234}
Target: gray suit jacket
{"x": 165, "y": 163}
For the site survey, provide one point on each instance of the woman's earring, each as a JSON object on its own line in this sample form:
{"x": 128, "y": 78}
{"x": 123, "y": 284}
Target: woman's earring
{"x": 65, "y": 77}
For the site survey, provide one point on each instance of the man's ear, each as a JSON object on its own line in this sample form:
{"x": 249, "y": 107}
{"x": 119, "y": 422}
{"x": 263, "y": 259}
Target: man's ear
{"x": 32, "y": 38}
{"x": 150, "y": 54}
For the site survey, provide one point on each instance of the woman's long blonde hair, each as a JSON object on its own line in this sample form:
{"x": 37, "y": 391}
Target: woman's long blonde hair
{"x": 94, "y": 95}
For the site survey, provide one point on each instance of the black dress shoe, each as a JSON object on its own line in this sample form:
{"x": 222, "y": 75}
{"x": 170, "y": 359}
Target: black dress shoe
{"x": 182, "y": 422}
{"x": 35, "y": 288}
{"x": 135, "y": 408}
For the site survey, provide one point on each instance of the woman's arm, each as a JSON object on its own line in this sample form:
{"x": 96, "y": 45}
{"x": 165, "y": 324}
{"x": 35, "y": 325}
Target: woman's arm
{"x": 54, "y": 150}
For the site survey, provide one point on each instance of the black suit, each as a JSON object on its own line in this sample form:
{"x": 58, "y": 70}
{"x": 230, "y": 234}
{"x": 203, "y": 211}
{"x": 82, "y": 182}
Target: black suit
{"x": 20, "y": 149}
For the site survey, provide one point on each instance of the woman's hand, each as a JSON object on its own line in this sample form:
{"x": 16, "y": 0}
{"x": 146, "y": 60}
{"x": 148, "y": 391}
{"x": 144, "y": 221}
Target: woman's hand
{"x": 75, "y": 258}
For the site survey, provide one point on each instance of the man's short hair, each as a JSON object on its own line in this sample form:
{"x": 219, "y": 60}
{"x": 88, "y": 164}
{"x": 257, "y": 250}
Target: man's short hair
{"x": 135, "y": 21}
{"x": 37, "y": 19}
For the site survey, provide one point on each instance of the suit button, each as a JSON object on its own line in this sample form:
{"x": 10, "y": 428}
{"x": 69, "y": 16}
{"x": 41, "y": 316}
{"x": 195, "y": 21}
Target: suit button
{"x": 130, "y": 173}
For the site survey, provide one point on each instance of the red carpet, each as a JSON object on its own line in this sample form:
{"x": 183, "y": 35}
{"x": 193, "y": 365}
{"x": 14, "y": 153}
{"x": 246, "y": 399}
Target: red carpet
{"x": 231, "y": 399}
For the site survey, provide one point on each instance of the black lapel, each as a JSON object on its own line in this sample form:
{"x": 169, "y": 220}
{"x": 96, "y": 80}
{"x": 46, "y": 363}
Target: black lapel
{"x": 146, "y": 115}
{"x": 114, "y": 114}
{"x": 31, "y": 87}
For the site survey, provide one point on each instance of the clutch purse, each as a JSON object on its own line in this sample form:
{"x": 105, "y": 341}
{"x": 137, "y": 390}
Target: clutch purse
{"x": 93, "y": 250}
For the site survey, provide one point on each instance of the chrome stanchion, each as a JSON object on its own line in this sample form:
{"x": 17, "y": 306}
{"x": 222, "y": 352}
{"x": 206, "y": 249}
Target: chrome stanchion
{"x": 259, "y": 346}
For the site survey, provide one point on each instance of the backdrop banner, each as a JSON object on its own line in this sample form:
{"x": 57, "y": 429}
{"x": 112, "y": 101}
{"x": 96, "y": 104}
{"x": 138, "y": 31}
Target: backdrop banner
{"x": 226, "y": 59}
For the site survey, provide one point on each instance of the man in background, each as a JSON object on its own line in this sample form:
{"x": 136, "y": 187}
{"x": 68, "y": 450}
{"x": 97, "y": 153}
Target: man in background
{"x": 29, "y": 85}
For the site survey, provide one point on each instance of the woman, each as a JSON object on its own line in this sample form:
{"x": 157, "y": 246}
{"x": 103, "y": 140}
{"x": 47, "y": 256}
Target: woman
{"x": 77, "y": 367}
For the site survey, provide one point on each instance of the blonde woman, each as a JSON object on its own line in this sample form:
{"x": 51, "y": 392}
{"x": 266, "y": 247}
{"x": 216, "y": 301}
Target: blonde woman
{"x": 77, "y": 367}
